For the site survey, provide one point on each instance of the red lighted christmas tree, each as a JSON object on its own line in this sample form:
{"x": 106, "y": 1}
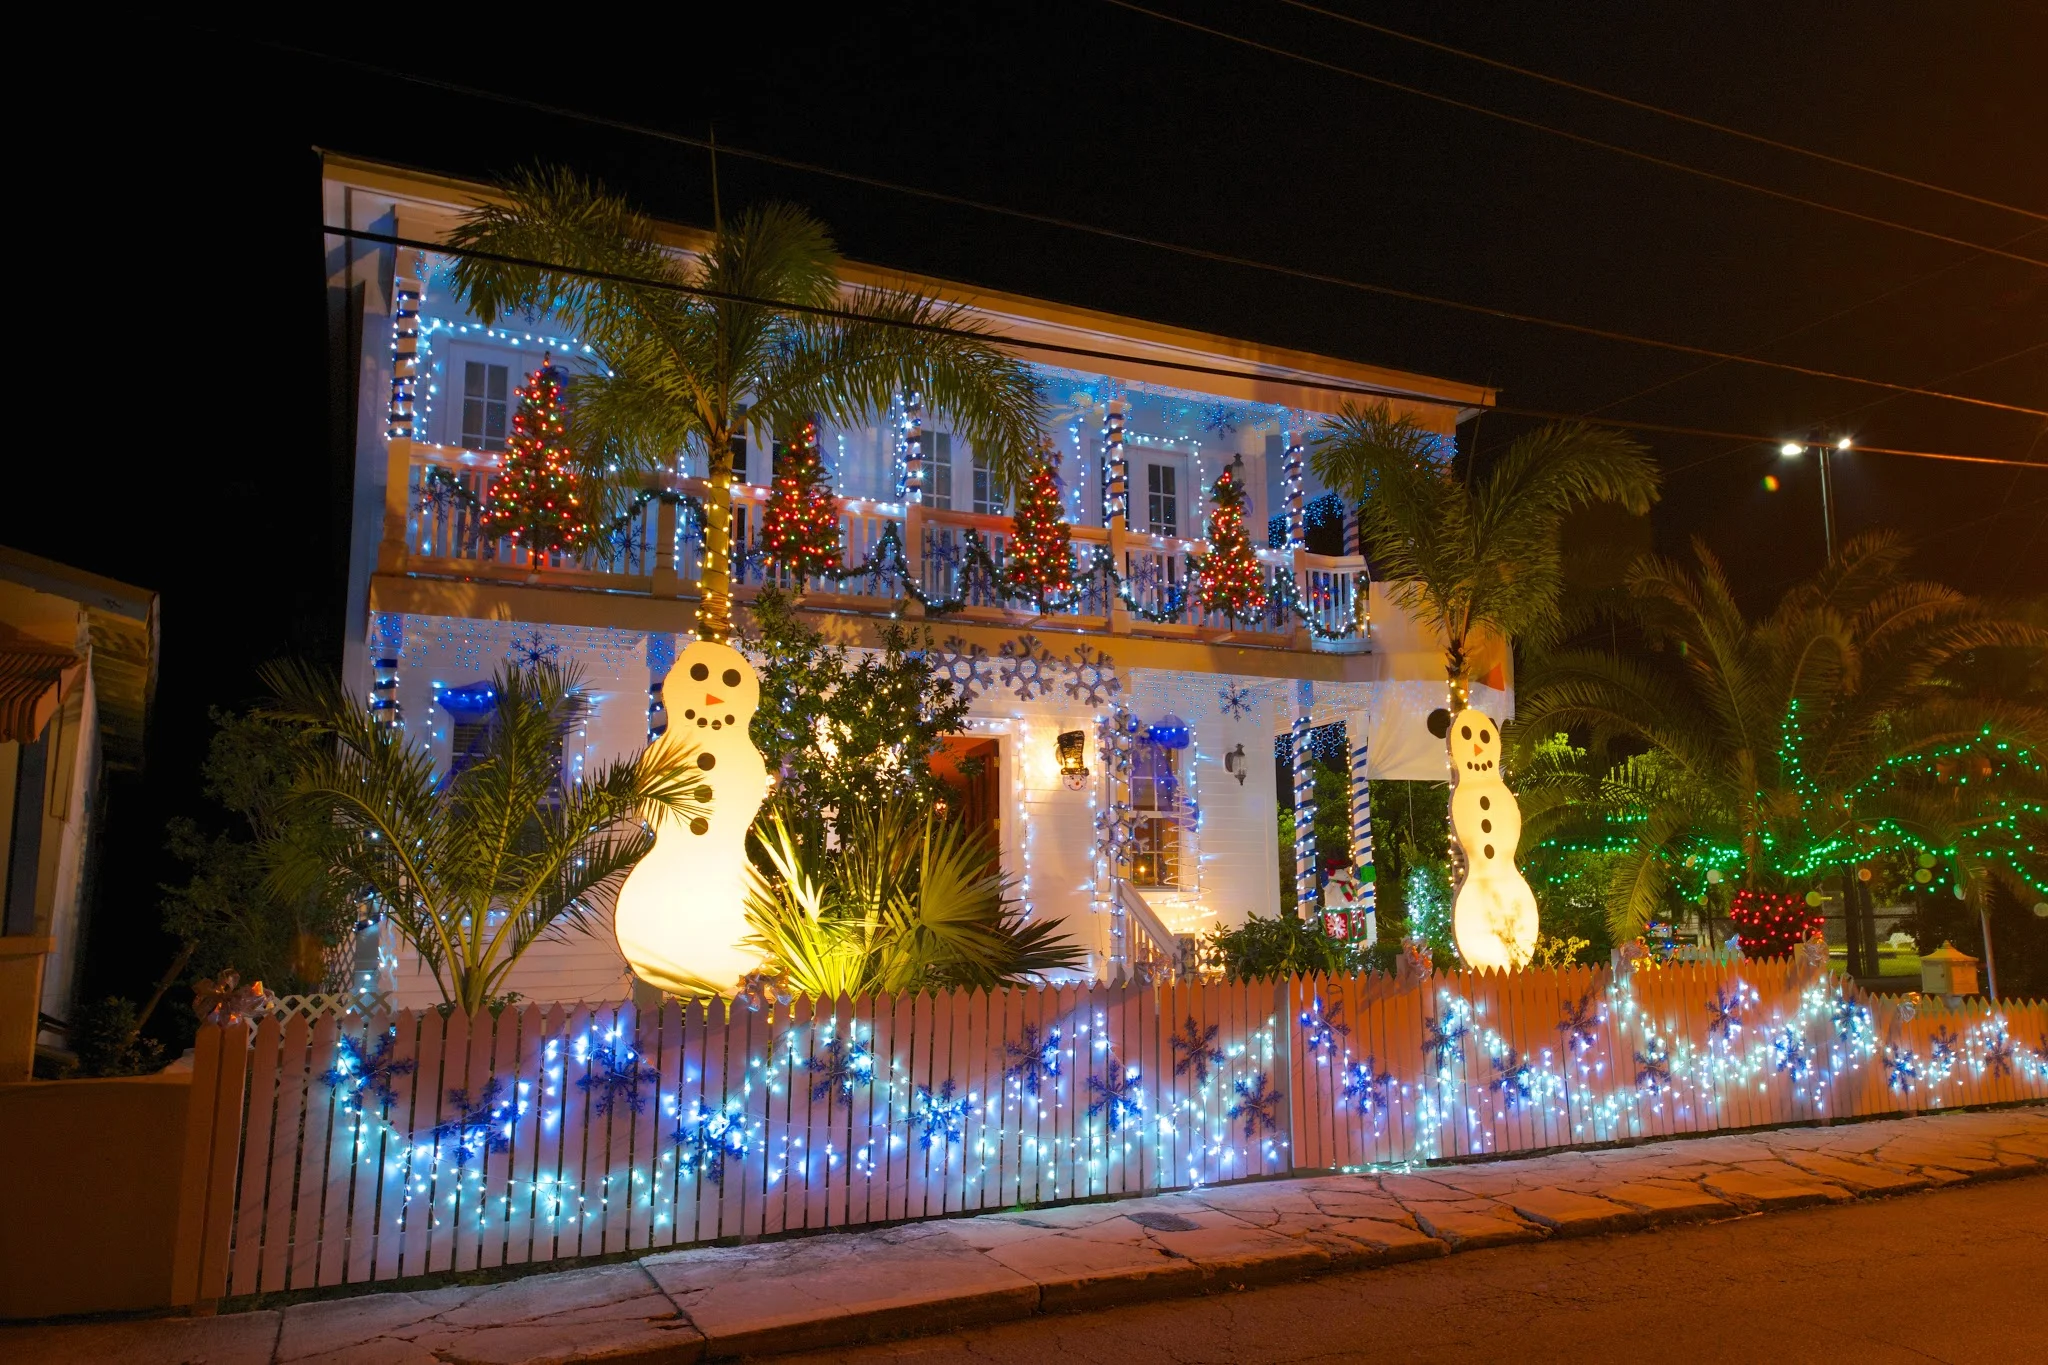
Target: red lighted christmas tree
{"x": 536, "y": 498}
{"x": 1772, "y": 925}
{"x": 1232, "y": 580}
{"x": 800, "y": 528}
{"x": 1041, "y": 561}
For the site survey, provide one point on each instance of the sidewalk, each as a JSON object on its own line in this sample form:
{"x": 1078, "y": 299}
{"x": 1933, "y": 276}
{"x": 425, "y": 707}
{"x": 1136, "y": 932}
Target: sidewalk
{"x": 831, "y": 1290}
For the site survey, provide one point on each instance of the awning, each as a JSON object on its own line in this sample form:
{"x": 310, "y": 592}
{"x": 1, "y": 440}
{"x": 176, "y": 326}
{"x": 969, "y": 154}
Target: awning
{"x": 34, "y": 679}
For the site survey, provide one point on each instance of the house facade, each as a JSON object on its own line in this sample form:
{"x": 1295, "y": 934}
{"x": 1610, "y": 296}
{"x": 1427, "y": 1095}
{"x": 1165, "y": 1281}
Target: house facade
{"x": 1169, "y": 832}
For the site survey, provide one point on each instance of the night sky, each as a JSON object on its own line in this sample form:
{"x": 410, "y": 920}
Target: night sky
{"x": 195, "y": 364}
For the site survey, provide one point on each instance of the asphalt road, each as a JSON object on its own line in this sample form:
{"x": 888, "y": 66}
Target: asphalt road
{"x": 1949, "y": 1275}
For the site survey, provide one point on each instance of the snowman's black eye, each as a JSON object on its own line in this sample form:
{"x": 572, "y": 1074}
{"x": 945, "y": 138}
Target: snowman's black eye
{"x": 731, "y": 677}
{"x": 699, "y": 672}
{"x": 1466, "y": 731}
{"x": 1485, "y": 738}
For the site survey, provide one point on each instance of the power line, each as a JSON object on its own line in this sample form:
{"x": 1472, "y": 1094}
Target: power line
{"x": 1131, "y": 238}
{"x": 1089, "y": 353}
{"x": 1665, "y": 162}
{"x": 1659, "y": 110}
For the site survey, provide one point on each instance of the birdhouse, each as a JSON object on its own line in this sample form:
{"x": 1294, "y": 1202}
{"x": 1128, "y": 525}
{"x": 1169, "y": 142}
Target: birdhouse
{"x": 1946, "y": 971}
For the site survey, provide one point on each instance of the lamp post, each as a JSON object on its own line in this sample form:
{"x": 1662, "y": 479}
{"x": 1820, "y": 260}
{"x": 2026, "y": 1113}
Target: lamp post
{"x": 1825, "y": 448}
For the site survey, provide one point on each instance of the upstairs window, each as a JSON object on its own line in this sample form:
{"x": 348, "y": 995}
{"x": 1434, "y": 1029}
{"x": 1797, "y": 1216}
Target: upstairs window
{"x": 938, "y": 470}
{"x": 988, "y": 498}
{"x": 1162, "y": 500}
{"x": 486, "y": 393}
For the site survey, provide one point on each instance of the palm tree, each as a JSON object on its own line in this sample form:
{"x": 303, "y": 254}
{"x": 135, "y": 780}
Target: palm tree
{"x": 1779, "y": 751}
{"x": 476, "y": 866}
{"x": 760, "y": 317}
{"x": 1479, "y": 553}
{"x": 908, "y": 901}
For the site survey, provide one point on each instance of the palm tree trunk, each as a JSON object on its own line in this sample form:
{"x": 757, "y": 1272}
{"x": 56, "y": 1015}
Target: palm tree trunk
{"x": 714, "y": 610}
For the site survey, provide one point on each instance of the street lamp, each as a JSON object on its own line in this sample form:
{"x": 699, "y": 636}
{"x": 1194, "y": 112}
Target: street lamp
{"x": 1824, "y": 448}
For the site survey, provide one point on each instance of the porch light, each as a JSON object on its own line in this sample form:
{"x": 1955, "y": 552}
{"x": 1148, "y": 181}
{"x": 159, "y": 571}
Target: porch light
{"x": 1072, "y": 746}
{"x": 1234, "y": 764}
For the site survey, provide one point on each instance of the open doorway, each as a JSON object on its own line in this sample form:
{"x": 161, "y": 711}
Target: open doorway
{"x": 971, "y": 769}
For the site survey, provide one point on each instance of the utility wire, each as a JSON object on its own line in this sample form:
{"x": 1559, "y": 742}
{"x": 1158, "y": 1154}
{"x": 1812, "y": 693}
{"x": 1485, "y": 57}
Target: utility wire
{"x": 1665, "y": 162}
{"x": 1134, "y": 239}
{"x": 1084, "y": 352}
{"x": 1659, "y": 110}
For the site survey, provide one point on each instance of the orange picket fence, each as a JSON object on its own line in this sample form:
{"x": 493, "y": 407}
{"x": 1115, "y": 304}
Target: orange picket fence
{"x": 343, "y": 1149}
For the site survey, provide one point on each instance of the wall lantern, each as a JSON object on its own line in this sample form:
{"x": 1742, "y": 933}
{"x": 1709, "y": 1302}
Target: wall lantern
{"x": 1073, "y": 752}
{"x": 1234, "y": 764}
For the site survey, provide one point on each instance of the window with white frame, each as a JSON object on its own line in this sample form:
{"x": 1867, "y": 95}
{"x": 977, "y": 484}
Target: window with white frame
{"x": 486, "y": 404}
{"x": 938, "y": 470}
{"x": 1162, "y": 499}
{"x": 1155, "y": 810}
{"x": 988, "y": 497}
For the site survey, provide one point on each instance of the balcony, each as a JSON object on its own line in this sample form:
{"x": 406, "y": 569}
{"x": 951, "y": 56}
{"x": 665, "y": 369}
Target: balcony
{"x": 899, "y": 559}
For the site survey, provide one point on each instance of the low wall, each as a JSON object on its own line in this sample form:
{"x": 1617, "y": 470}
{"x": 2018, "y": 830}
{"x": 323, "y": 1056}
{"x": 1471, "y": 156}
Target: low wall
{"x": 94, "y": 1173}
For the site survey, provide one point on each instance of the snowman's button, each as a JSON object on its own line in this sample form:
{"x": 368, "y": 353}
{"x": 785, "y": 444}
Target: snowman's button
{"x": 699, "y": 825}
{"x": 707, "y": 761}
{"x": 1486, "y": 826}
{"x": 703, "y": 721}
{"x": 1488, "y": 850}
{"x": 1486, "y": 803}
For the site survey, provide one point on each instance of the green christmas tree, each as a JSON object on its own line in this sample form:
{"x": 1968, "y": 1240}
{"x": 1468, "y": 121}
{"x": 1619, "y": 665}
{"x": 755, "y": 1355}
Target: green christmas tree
{"x": 800, "y": 528}
{"x": 1041, "y": 559}
{"x": 537, "y": 499}
{"x": 1232, "y": 580}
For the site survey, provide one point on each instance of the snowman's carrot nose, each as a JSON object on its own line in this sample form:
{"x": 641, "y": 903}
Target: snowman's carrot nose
{"x": 1478, "y": 748}
{"x": 710, "y": 700}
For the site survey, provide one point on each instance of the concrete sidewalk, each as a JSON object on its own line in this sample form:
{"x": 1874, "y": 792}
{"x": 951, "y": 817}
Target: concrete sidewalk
{"x": 830, "y": 1290}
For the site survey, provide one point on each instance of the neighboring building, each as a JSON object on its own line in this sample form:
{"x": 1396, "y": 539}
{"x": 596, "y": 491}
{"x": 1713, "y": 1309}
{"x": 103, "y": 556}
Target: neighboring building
{"x": 1184, "y": 841}
{"x": 77, "y": 670}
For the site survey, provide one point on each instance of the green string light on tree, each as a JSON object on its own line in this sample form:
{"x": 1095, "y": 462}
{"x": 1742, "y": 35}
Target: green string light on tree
{"x": 1232, "y": 580}
{"x": 1041, "y": 558}
{"x": 535, "y": 499}
{"x": 800, "y": 527}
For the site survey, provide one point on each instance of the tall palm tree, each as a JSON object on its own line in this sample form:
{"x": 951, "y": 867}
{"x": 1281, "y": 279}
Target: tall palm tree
{"x": 1475, "y": 553}
{"x": 1785, "y": 749}
{"x": 474, "y": 867}
{"x": 760, "y": 318}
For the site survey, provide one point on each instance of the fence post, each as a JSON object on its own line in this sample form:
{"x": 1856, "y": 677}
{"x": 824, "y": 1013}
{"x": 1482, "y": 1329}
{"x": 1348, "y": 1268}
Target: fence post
{"x": 206, "y": 1187}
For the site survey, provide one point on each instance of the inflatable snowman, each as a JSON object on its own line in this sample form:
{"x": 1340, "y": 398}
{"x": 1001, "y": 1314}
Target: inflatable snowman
{"x": 682, "y": 912}
{"x": 1494, "y": 917}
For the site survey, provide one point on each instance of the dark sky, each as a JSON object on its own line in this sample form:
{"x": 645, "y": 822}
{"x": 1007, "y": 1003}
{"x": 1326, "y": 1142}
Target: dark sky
{"x": 183, "y": 196}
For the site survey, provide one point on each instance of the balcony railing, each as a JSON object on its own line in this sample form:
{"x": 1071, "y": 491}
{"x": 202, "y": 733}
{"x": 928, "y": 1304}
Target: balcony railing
{"x": 951, "y": 562}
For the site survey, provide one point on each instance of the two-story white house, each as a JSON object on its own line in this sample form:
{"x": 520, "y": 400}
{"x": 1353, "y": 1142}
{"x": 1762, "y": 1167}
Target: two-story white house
{"x": 1160, "y": 839}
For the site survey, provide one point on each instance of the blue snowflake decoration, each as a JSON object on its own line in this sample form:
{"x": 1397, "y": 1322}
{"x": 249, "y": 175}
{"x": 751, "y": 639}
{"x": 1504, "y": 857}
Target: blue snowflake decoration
{"x": 1255, "y": 1105}
{"x": 371, "y": 1075}
{"x": 532, "y": 650}
{"x": 615, "y": 1072}
{"x": 1235, "y": 702}
{"x": 1849, "y": 1018}
{"x": 480, "y": 1126}
{"x": 711, "y": 1137}
{"x": 1790, "y": 1055}
{"x": 843, "y": 1065}
{"x": 1724, "y": 1014}
{"x": 1115, "y": 1101}
{"x": 1580, "y": 1024}
{"x": 1195, "y": 1047}
{"x": 942, "y": 552}
{"x": 1219, "y": 419}
{"x": 1367, "y": 1087}
{"x": 1034, "y": 1058}
{"x": 1999, "y": 1055}
{"x": 1943, "y": 1047}
{"x": 1445, "y": 1040}
{"x": 1653, "y": 1070}
{"x": 1514, "y": 1079}
{"x": 1901, "y": 1068}
{"x": 941, "y": 1115}
{"x": 1322, "y": 1025}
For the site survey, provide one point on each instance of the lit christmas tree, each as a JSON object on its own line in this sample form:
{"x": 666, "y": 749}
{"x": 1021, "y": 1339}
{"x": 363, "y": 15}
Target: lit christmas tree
{"x": 800, "y": 528}
{"x": 536, "y": 498}
{"x": 1232, "y": 580}
{"x": 1041, "y": 562}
